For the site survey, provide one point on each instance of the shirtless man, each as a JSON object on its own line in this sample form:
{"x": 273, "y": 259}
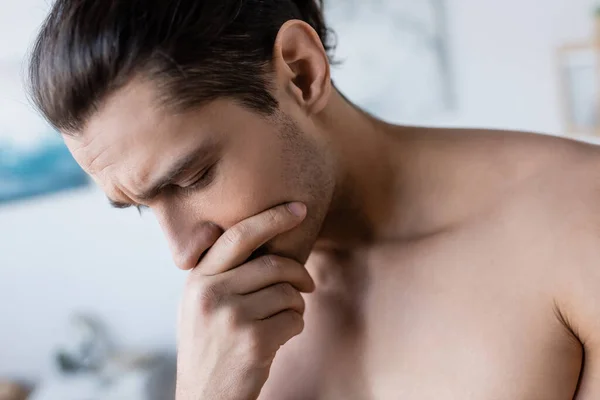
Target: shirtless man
{"x": 433, "y": 264}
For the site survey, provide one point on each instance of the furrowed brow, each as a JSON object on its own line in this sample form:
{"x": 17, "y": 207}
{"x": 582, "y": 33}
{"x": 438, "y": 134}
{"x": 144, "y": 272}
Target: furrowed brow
{"x": 178, "y": 168}
{"x": 167, "y": 179}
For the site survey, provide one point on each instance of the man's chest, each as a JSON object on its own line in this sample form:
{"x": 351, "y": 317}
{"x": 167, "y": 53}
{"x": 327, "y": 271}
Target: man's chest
{"x": 445, "y": 338}
{"x": 438, "y": 324}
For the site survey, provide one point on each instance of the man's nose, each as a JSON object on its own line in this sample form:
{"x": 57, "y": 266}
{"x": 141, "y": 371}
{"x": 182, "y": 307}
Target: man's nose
{"x": 188, "y": 240}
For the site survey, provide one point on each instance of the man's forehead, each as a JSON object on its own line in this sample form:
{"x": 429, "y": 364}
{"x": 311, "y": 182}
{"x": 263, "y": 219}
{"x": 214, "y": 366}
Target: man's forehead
{"x": 126, "y": 150}
{"x": 118, "y": 146}
{"x": 124, "y": 121}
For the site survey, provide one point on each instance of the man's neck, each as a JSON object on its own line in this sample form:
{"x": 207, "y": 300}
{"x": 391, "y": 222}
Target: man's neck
{"x": 398, "y": 183}
{"x": 367, "y": 175}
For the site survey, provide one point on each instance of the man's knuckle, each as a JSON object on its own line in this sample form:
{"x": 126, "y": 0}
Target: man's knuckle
{"x": 298, "y": 323}
{"x": 235, "y": 235}
{"x": 270, "y": 262}
{"x": 301, "y": 303}
{"x": 287, "y": 290}
{"x": 193, "y": 289}
{"x": 208, "y": 296}
{"x": 273, "y": 217}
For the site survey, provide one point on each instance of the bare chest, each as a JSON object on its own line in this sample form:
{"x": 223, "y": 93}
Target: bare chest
{"x": 476, "y": 324}
{"x": 438, "y": 323}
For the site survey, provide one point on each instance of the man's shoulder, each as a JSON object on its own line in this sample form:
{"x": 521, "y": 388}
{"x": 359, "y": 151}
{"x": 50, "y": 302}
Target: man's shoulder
{"x": 545, "y": 189}
{"x": 541, "y": 176}
{"x": 561, "y": 173}
{"x": 542, "y": 165}
{"x": 554, "y": 179}
{"x": 551, "y": 217}
{"x": 508, "y": 158}
{"x": 570, "y": 208}
{"x": 558, "y": 204}
{"x": 536, "y": 150}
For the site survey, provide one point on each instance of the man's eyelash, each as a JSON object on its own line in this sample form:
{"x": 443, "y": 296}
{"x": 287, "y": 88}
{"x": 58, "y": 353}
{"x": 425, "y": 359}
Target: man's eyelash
{"x": 141, "y": 209}
{"x": 203, "y": 180}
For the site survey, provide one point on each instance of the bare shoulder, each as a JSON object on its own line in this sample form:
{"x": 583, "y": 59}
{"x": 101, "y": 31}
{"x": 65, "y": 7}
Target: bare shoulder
{"x": 553, "y": 209}
{"x": 559, "y": 201}
{"x": 561, "y": 168}
{"x": 566, "y": 191}
{"x": 548, "y": 187}
{"x": 537, "y": 178}
{"x": 521, "y": 148}
{"x": 559, "y": 177}
{"x": 555, "y": 186}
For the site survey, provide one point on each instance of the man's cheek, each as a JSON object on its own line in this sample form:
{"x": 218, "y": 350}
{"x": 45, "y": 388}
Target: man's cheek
{"x": 244, "y": 194}
{"x": 239, "y": 202}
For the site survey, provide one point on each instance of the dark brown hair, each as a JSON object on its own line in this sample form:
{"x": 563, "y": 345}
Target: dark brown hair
{"x": 194, "y": 50}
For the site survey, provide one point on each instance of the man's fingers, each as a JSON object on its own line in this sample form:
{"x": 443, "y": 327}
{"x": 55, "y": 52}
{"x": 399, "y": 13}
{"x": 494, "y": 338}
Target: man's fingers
{"x": 187, "y": 255}
{"x": 237, "y": 243}
{"x": 271, "y": 301}
{"x": 266, "y": 271}
{"x": 281, "y": 327}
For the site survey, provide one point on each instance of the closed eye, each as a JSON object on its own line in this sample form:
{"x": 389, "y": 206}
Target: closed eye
{"x": 119, "y": 205}
{"x": 204, "y": 179}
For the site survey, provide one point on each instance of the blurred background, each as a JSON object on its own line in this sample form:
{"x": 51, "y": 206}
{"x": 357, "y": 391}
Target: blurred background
{"x": 80, "y": 282}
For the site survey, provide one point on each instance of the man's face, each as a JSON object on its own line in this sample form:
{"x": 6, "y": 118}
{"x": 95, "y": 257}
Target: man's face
{"x": 219, "y": 164}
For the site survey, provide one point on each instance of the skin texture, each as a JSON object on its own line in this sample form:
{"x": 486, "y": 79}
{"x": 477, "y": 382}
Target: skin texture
{"x": 443, "y": 263}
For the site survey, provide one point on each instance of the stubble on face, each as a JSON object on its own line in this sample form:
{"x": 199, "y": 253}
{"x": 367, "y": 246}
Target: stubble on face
{"x": 306, "y": 165}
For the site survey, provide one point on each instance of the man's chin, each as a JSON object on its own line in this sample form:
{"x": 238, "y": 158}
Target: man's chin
{"x": 297, "y": 248}
{"x": 298, "y": 243}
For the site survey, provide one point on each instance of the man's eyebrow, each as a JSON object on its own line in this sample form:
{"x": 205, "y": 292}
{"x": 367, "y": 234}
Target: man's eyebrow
{"x": 173, "y": 173}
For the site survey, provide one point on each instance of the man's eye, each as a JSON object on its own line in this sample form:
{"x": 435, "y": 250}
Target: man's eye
{"x": 204, "y": 179}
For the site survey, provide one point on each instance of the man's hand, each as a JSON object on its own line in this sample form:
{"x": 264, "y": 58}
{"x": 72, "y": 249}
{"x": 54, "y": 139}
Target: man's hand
{"x": 235, "y": 314}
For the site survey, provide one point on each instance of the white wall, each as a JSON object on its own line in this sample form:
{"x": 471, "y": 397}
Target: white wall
{"x": 505, "y": 56}
{"x": 71, "y": 252}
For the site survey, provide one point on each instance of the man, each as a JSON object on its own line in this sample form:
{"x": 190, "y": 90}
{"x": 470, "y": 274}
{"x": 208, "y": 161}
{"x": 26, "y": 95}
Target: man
{"x": 433, "y": 264}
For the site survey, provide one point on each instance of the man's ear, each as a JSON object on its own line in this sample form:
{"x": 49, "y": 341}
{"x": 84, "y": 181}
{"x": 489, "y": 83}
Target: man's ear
{"x": 302, "y": 66}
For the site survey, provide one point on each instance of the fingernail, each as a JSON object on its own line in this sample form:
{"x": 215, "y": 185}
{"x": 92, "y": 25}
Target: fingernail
{"x": 298, "y": 209}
